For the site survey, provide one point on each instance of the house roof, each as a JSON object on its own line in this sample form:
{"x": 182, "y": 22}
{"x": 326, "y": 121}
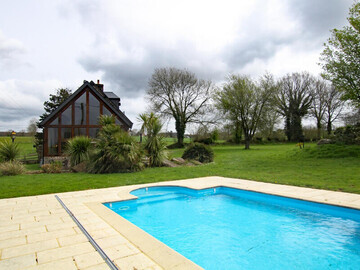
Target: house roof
{"x": 111, "y": 95}
{"x": 103, "y": 97}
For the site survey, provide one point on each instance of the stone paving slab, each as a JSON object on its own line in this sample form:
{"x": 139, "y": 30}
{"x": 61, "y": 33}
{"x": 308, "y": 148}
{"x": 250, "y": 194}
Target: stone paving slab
{"x": 37, "y": 233}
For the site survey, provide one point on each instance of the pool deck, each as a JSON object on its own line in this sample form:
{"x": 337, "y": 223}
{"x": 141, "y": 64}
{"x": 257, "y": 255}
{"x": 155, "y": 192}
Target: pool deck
{"x": 37, "y": 233}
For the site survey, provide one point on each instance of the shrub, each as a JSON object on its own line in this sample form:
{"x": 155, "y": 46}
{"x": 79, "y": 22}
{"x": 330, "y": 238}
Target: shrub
{"x": 199, "y": 152}
{"x": 11, "y": 168}
{"x": 78, "y": 149}
{"x": 9, "y": 150}
{"x": 205, "y": 141}
{"x": 54, "y": 167}
{"x": 348, "y": 134}
{"x": 115, "y": 151}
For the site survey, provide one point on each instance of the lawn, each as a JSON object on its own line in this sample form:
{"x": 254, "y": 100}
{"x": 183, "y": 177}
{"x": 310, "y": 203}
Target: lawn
{"x": 277, "y": 163}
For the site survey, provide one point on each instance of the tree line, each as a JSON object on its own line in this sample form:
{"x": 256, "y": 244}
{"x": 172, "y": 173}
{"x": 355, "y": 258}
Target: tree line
{"x": 250, "y": 104}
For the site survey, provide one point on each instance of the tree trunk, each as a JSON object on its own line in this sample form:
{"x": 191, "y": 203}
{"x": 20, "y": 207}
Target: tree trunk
{"x": 297, "y": 134}
{"x": 237, "y": 132}
{"x": 180, "y": 129}
{"x": 318, "y": 125}
{"x": 329, "y": 127}
{"x": 247, "y": 143}
{"x": 288, "y": 128}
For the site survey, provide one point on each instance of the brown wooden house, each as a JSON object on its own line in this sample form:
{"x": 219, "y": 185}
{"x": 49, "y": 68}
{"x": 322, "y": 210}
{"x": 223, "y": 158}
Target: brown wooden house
{"x": 79, "y": 115}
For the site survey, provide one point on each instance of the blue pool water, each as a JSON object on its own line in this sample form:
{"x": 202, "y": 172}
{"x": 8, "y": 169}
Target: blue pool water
{"x": 227, "y": 228}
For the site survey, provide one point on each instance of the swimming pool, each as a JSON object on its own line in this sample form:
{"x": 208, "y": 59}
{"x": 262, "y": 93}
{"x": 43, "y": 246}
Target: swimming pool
{"x": 226, "y": 228}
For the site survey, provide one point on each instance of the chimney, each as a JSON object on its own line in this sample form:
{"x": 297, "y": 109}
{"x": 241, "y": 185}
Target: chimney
{"x": 99, "y": 86}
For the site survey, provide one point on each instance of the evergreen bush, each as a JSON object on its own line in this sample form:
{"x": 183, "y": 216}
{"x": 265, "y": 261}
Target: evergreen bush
{"x": 199, "y": 152}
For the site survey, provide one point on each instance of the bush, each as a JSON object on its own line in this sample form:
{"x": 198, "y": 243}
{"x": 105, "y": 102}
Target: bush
{"x": 206, "y": 141}
{"x": 199, "y": 152}
{"x": 9, "y": 151}
{"x": 115, "y": 151}
{"x": 78, "y": 149}
{"x": 54, "y": 167}
{"x": 11, "y": 168}
{"x": 348, "y": 134}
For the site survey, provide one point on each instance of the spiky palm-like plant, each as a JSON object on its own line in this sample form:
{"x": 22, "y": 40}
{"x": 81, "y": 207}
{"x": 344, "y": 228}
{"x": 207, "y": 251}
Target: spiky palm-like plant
{"x": 78, "y": 149}
{"x": 115, "y": 151}
{"x": 9, "y": 151}
{"x": 155, "y": 145}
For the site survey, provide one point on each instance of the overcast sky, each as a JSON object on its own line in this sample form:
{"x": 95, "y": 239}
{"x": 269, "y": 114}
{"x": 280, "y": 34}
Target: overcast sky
{"x": 45, "y": 45}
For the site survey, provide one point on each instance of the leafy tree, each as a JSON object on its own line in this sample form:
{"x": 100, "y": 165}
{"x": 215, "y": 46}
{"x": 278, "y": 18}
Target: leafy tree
{"x": 54, "y": 101}
{"x": 341, "y": 57}
{"x": 180, "y": 95}
{"x": 293, "y": 102}
{"x": 246, "y": 101}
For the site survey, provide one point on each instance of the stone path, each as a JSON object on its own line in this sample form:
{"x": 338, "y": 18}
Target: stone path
{"x": 37, "y": 233}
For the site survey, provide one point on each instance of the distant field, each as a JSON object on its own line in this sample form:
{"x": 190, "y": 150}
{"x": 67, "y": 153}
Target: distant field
{"x": 332, "y": 168}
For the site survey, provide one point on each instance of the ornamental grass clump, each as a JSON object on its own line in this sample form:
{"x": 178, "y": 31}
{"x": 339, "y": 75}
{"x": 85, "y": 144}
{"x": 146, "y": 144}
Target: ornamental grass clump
{"x": 78, "y": 149}
{"x": 54, "y": 167}
{"x": 11, "y": 168}
{"x": 9, "y": 151}
{"x": 115, "y": 150}
{"x": 199, "y": 152}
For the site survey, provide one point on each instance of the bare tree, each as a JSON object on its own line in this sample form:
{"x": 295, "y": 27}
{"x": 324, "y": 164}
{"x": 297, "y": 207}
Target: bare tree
{"x": 32, "y": 128}
{"x": 318, "y": 105}
{"x": 293, "y": 102}
{"x": 246, "y": 101}
{"x": 178, "y": 94}
{"x": 333, "y": 106}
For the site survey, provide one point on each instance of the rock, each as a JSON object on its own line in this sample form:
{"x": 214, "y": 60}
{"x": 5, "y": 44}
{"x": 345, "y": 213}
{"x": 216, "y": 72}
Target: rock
{"x": 168, "y": 163}
{"x": 81, "y": 167}
{"x": 179, "y": 160}
{"x": 195, "y": 162}
{"x": 324, "y": 141}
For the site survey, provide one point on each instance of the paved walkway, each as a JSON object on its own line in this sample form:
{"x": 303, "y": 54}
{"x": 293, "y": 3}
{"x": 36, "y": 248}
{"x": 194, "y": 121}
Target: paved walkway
{"x": 37, "y": 233}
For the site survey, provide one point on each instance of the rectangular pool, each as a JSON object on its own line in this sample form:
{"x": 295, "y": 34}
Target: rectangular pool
{"x": 226, "y": 228}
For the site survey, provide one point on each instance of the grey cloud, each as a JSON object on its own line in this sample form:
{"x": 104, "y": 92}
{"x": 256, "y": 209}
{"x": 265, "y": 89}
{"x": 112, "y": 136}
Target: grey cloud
{"x": 130, "y": 78}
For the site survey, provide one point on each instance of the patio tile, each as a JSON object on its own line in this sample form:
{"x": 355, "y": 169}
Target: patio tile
{"x": 64, "y": 252}
{"x": 65, "y": 264}
{"x": 20, "y": 262}
{"x": 50, "y": 235}
{"x": 28, "y": 248}
{"x": 88, "y": 259}
{"x": 13, "y": 242}
{"x": 137, "y": 261}
{"x": 72, "y": 239}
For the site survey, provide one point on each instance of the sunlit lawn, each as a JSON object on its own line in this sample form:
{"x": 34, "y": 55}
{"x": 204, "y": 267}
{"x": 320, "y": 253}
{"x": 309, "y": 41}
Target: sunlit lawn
{"x": 279, "y": 163}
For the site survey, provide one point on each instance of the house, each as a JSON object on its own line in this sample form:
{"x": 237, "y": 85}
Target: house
{"x": 79, "y": 115}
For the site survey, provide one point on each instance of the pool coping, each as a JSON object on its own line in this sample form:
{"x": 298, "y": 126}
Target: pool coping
{"x": 168, "y": 258}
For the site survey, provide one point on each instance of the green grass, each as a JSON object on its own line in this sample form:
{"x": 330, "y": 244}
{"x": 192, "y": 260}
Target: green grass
{"x": 282, "y": 164}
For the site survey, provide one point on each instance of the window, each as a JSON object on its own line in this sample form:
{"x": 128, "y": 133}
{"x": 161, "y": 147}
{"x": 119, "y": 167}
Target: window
{"x": 80, "y": 110}
{"x": 94, "y": 110}
{"x": 52, "y": 141}
{"x": 65, "y": 135}
{"x": 55, "y": 121}
{"x": 66, "y": 116}
{"x": 117, "y": 122}
{"x": 80, "y": 132}
{"x": 106, "y": 111}
{"x": 93, "y": 132}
